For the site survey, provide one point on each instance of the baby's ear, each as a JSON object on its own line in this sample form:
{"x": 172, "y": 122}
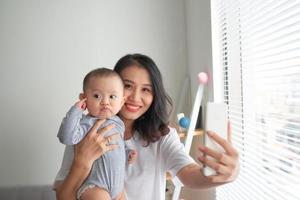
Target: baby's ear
{"x": 81, "y": 96}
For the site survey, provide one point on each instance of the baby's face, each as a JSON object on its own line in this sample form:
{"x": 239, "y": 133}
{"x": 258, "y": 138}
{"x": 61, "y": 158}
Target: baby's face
{"x": 104, "y": 96}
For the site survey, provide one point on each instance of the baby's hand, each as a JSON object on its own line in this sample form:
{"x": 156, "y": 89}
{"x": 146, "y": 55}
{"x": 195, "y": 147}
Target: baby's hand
{"x": 132, "y": 156}
{"x": 81, "y": 104}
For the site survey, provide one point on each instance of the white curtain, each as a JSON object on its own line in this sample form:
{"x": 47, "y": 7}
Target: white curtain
{"x": 257, "y": 47}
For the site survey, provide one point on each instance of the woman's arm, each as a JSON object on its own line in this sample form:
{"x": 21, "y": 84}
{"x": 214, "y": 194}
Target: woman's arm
{"x": 86, "y": 152}
{"x": 192, "y": 177}
{"x": 226, "y": 165}
{"x": 66, "y": 190}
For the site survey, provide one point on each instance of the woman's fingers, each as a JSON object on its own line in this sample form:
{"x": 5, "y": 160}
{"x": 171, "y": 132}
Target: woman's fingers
{"x": 224, "y": 143}
{"x": 105, "y": 129}
{"x": 111, "y": 147}
{"x": 94, "y": 144}
{"x": 229, "y": 132}
{"x": 218, "y": 167}
{"x": 221, "y": 157}
{"x": 220, "y": 178}
{"x": 112, "y": 139}
{"x": 110, "y": 142}
{"x": 226, "y": 163}
{"x": 210, "y": 152}
{"x": 96, "y": 126}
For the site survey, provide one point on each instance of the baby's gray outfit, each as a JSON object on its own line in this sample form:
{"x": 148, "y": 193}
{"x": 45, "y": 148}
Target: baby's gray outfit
{"x": 108, "y": 171}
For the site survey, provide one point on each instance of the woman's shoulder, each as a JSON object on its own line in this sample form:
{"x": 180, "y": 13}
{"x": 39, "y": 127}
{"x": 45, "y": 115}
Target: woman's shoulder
{"x": 167, "y": 139}
{"x": 172, "y": 131}
{"x": 171, "y": 136}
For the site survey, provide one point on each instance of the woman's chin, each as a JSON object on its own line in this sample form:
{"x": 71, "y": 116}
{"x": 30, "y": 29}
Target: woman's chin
{"x": 129, "y": 115}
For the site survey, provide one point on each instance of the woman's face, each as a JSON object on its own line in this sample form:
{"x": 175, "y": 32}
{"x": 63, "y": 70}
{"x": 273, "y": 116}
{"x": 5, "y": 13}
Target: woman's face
{"x": 137, "y": 91}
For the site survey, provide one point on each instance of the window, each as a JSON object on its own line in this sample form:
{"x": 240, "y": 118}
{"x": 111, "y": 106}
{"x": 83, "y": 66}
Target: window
{"x": 256, "y": 44}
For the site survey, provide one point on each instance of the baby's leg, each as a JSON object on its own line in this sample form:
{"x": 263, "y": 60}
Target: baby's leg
{"x": 121, "y": 196}
{"x": 95, "y": 193}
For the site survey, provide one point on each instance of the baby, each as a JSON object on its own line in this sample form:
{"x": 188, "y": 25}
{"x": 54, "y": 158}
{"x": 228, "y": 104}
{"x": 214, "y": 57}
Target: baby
{"x": 103, "y": 97}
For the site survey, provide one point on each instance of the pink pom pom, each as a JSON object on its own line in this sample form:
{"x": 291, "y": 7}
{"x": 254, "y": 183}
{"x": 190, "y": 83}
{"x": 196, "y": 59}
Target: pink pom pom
{"x": 202, "y": 78}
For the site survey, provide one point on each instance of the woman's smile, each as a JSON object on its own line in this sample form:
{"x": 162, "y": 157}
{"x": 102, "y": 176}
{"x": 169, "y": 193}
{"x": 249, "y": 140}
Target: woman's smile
{"x": 132, "y": 107}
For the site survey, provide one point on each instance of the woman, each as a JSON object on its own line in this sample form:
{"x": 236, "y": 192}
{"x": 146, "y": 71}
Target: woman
{"x": 145, "y": 115}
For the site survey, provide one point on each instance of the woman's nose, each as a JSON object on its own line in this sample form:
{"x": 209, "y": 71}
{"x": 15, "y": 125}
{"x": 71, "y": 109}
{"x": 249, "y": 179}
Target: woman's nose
{"x": 135, "y": 95}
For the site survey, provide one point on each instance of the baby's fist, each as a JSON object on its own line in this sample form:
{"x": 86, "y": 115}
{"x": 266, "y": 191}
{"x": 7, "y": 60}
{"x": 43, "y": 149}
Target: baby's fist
{"x": 81, "y": 104}
{"x": 132, "y": 156}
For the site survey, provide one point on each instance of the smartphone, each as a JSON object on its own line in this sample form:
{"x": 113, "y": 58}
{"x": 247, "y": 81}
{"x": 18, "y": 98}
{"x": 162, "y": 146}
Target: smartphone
{"x": 216, "y": 121}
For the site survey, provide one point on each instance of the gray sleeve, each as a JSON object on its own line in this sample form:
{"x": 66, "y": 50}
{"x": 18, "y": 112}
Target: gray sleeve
{"x": 120, "y": 128}
{"x": 71, "y": 132}
{"x": 119, "y": 125}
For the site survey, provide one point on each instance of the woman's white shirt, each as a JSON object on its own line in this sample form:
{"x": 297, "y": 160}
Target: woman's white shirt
{"x": 146, "y": 177}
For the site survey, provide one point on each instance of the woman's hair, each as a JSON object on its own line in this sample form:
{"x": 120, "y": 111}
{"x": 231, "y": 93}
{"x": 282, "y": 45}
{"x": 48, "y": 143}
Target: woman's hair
{"x": 153, "y": 124}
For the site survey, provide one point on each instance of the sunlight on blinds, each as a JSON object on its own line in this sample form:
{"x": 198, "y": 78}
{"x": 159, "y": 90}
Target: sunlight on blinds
{"x": 259, "y": 52}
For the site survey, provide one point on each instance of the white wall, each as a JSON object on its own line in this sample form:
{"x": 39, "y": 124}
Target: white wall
{"x": 46, "y": 49}
{"x": 199, "y": 43}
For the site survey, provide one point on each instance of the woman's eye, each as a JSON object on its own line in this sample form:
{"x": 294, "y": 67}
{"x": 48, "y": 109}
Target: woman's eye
{"x": 147, "y": 90}
{"x": 113, "y": 97}
{"x": 97, "y": 96}
{"x": 127, "y": 86}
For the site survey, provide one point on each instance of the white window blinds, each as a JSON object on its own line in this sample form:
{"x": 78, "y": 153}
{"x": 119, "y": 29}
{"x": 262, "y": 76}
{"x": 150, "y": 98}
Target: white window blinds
{"x": 257, "y": 45}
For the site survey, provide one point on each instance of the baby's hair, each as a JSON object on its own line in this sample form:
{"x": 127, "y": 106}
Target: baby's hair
{"x": 99, "y": 72}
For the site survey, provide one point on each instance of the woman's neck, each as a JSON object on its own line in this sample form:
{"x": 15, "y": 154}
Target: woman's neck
{"x": 128, "y": 128}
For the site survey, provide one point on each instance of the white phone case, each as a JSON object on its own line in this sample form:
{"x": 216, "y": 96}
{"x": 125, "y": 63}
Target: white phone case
{"x": 216, "y": 121}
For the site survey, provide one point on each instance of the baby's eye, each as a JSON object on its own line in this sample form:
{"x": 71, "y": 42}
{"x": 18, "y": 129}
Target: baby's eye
{"x": 97, "y": 96}
{"x": 113, "y": 97}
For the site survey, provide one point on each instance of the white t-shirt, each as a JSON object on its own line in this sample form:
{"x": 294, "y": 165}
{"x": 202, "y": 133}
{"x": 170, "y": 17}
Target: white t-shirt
{"x": 146, "y": 178}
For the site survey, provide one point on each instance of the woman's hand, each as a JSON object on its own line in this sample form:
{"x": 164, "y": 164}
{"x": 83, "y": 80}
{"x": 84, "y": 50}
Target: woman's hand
{"x": 94, "y": 144}
{"x": 91, "y": 147}
{"x": 225, "y": 164}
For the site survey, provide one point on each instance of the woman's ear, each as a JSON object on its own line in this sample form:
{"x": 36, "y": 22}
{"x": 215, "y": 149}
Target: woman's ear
{"x": 81, "y": 96}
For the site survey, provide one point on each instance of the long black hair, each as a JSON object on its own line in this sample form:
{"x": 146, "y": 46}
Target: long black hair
{"x": 153, "y": 124}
